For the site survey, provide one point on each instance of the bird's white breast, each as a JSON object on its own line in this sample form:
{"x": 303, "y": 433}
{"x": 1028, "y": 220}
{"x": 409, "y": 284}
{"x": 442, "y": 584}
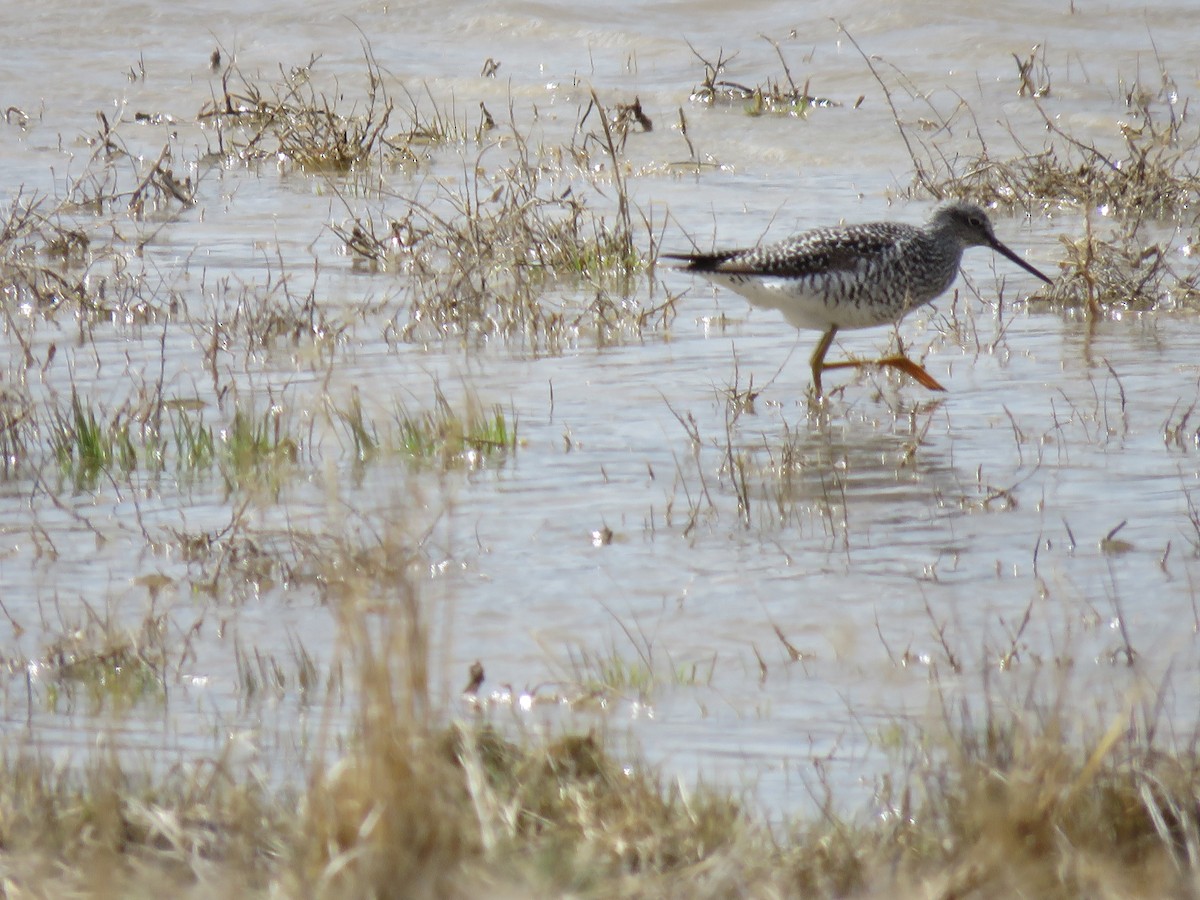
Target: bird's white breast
{"x": 809, "y": 302}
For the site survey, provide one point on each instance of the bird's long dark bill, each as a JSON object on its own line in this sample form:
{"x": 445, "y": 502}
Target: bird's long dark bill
{"x": 1005, "y": 252}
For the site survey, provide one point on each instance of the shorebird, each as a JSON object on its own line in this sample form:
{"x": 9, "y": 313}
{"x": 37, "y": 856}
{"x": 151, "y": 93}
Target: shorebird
{"x": 856, "y": 276}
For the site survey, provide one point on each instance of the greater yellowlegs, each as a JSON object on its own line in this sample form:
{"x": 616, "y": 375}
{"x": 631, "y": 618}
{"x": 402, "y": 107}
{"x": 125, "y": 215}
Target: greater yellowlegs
{"x": 856, "y": 276}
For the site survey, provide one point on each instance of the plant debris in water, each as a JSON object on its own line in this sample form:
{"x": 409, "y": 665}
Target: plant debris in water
{"x": 781, "y": 97}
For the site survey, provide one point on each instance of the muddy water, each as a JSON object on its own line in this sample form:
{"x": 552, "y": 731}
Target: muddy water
{"x": 912, "y": 538}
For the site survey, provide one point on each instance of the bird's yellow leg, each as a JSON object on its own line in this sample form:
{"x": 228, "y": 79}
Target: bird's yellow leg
{"x": 900, "y": 362}
{"x": 817, "y": 360}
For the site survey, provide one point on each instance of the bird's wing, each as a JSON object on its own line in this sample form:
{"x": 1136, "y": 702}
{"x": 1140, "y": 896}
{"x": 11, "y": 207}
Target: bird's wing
{"x": 814, "y": 253}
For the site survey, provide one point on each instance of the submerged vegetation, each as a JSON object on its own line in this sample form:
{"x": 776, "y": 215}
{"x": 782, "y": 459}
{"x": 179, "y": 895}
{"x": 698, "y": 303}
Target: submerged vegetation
{"x": 245, "y": 394}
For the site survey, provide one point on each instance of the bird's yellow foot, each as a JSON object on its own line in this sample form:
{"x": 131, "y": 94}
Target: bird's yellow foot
{"x": 908, "y": 367}
{"x": 901, "y": 363}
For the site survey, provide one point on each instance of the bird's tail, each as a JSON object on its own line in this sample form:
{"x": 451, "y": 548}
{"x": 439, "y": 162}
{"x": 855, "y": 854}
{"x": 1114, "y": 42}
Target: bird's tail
{"x": 698, "y": 262}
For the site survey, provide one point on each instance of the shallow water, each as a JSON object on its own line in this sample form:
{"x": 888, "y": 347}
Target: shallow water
{"x": 900, "y": 514}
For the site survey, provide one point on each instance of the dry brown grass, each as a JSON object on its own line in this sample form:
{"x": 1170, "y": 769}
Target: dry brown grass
{"x": 294, "y": 120}
{"x": 995, "y": 798}
{"x": 1024, "y": 808}
{"x": 539, "y": 247}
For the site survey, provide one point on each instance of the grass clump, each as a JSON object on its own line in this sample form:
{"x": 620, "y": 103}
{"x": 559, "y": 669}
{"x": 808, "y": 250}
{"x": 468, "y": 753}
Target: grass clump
{"x": 1106, "y": 276}
{"x": 364, "y": 437}
{"x": 267, "y": 315}
{"x": 1016, "y": 802}
{"x": 779, "y": 96}
{"x": 530, "y": 261}
{"x": 611, "y": 674}
{"x": 44, "y": 262}
{"x": 293, "y": 120}
{"x": 251, "y": 449}
{"x": 17, "y": 432}
{"x": 522, "y": 218}
{"x": 440, "y": 435}
{"x": 101, "y": 665}
{"x": 111, "y": 829}
{"x": 518, "y": 249}
{"x": 115, "y": 675}
{"x": 256, "y": 449}
{"x": 87, "y": 445}
{"x": 460, "y": 810}
{"x": 1150, "y": 177}
{"x": 195, "y": 448}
